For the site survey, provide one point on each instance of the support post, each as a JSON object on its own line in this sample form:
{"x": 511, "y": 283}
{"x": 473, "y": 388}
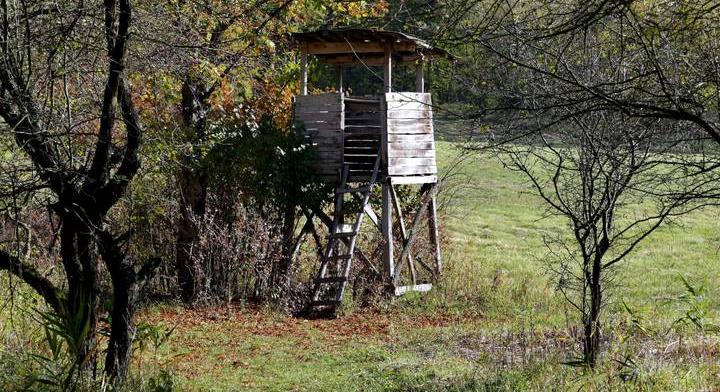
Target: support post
{"x": 419, "y": 78}
{"x": 434, "y": 236}
{"x": 403, "y": 232}
{"x": 339, "y": 72}
{"x": 388, "y": 256}
{"x": 425, "y": 196}
{"x": 387, "y": 68}
{"x": 303, "y": 70}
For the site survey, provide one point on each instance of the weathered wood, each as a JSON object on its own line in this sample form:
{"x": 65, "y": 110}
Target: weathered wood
{"x": 400, "y": 122}
{"x": 387, "y": 67}
{"x": 408, "y": 96}
{"x": 309, "y": 112}
{"x": 388, "y": 256}
{"x": 330, "y": 120}
{"x": 357, "y": 47}
{"x": 408, "y": 105}
{"x": 372, "y": 215}
{"x": 339, "y": 73}
{"x": 324, "y": 136}
{"x": 321, "y": 101}
{"x": 403, "y": 232}
{"x": 304, "y": 70}
{"x": 434, "y": 235}
{"x": 399, "y": 113}
{"x": 374, "y": 99}
{"x": 313, "y": 127}
{"x": 318, "y": 119}
{"x": 371, "y": 137}
{"x": 368, "y": 210}
{"x": 422, "y": 288}
{"x": 318, "y": 99}
{"x": 420, "y": 179}
{"x": 326, "y": 143}
{"x": 383, "y": 136}
{"x": 410, "y": 129}
{"x": 411, "y": 154}
{"x": 352, "y": 59}
{"x": 411, "y": 170}
{"x": 419, "y": 77}
{"x": 411, "y": 146}
{"x": 411, "y": 162}
{"x": 426, "y": 193}
{"x": 365, "y": 59}
{"x": 326, "y": 146}
{"x": 306, "y": 229}
{"x": 404, "y": 138}
{"x": 330, "y": 158}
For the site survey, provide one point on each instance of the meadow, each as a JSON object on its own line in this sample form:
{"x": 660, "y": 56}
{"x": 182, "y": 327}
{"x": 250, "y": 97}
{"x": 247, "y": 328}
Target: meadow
{"x": 494, "y": 321}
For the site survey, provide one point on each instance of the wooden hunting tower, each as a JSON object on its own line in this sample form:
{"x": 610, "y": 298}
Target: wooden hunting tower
{"x": 362, "y": 141}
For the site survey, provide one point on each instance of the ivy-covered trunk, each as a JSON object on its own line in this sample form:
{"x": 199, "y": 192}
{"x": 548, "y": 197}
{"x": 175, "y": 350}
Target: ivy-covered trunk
{"x": 193, "y": 190}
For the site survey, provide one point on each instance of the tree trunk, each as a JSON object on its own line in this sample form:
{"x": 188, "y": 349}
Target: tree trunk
{"x": 79, "y": 257}
{"x": 122, "y": 332}
{"x": 592, "y": 322}
{"x": 283, "y": 277}
{"x": 191, "y": 275}
{"x": 193, "y": 185}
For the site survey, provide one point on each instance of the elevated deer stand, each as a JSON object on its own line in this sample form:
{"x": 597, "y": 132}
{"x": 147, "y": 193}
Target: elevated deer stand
{"x": 362, "y": 142}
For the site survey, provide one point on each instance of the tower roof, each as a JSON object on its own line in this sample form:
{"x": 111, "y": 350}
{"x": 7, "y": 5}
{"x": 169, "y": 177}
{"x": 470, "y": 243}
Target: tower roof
{"x": 345, "y": 46}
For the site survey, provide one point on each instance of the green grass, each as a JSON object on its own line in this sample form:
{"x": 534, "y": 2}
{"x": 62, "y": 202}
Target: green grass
{"x": 495, "y": 322}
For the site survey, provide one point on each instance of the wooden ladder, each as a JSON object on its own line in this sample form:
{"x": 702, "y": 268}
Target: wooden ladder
{"x": 340, "y": 235}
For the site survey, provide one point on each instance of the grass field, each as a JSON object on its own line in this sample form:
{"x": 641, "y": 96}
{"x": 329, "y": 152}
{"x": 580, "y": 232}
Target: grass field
{"x": 495, "y": 321}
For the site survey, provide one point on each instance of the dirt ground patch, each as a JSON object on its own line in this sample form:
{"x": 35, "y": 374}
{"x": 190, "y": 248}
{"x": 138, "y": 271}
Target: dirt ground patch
{"x": 256, "y": 322}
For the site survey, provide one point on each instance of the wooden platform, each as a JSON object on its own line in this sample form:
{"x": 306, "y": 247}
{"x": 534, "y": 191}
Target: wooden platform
{"x": 350, "y": 130}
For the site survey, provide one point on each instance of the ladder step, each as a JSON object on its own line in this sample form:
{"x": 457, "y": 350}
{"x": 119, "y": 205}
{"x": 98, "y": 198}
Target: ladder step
{"x": 352, "y": 190}
{"x": 332, "y": 279}
{"x": 326, "y": 302}
{"x": 344, "y": 228}
{"x": 344, "y": 234}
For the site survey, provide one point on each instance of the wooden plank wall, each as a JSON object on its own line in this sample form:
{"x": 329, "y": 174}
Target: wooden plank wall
{"x": 322, "y": 118}
{"x": 410, "y": 138}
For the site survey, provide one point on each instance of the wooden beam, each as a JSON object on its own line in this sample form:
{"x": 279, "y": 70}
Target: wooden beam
{"x": 339, "y": 72}
{"x": 369, "y": 212}
{"x": 422, "y": 288}
{"x": 357, "y": 47}
{"x": 373, "y": 216}
{"x": 419, "y": 78}
{"x": 303, "y": 70}
{"x": 434, "y": 234}
{"x": 388, "y": 254}
{"x": 426, "y": 191}
{"x": 366, "y": 260}
{"x": 301, "y": 237}
{"x": 403, "y": 232}
{"x": 365, "y": 59}
{"x": 315, "y": 235}
{"x": 387, "y": 68}
{"x": 414, "y": 180}
{"x": 324, "y": 218}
